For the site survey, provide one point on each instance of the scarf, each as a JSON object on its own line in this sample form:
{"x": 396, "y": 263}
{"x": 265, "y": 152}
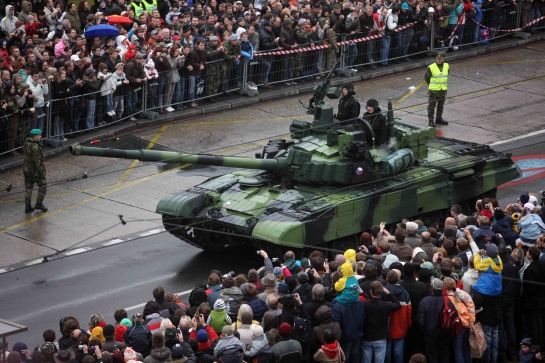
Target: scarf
{"x": 204, "y": 346}
{"x": 331, "y": 350}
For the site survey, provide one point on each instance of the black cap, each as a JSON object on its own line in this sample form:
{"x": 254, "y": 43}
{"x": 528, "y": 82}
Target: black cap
{"x": 266, "y": 23}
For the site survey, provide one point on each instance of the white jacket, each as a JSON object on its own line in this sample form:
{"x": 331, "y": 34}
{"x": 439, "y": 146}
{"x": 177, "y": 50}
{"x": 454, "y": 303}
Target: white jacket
{"x": 108, "y": 86}
{"x": 39, "y": 90}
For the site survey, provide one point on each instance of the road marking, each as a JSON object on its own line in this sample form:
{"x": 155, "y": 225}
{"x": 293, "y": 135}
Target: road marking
{"x": 34, "y": 262}
{"x": 408, "y": 94}
{"x": 113, "y": 242}
{"x": 3, "y": 270}
{"x": 287, "y": 118}
{"x": 77, "y": 250}
{"x": 469, "y": 63}
{"x": 152, "y": 232}
{"x": 516, "y": 138}
{"x": 144, "y": 304}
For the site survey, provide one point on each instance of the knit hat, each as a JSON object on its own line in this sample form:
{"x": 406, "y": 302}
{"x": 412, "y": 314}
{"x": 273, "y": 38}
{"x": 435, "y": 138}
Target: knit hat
{"x": 177, "y": 352}
{"x": 150, "y": 64}
{"x": 492, "y": 250}
{"x": 278, "y": 273}
{"x": 424, "y": 275}
{"x": 233, "y": 37}
{"x": 269, "y": 280}
{"x": 411, "y": 226}
{"x": 529, "y": 206}
{"x": 427, "y": 265}
{"x": 437, "y": 284}
{"x": 89, "y": 71}
{"x": 139, "y": 56}
{"x": 219, "y": 305}
{"x": 213, "y": 38}
{"x": 431, "y": 9}
{"x": 170, "y": 332}
{"x": 337, "y": 6}
{"x": 64, "y": 356}
{"x": 305, "y": 263}
{"x": 108, "y": 330}
{"x": 524, "y": 198}
{"x": 177, "y": 37}
{"x": 396, "y": 266}
{"x": 126, "y": 322}
{"x": 129, "y": 354}
{"x": 404, "y": 6}
{"x": 302, "y": 22}
{"x": 34, "y": 132}
{"x": 527, "y": 342}
{"x": 408, "y": 269}
{"x": 202, "y": 336}
{"x": 288, "y": 21}
{"x": 257, "y": 332}
{"x": 239, "y": 19}
{"x": 285, "y": 329}
{"x": 283, "y": 288}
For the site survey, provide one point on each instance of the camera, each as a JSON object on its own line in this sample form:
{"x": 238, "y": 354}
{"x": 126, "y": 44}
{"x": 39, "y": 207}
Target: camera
{"x": 92, "y": 348}
{"x": 274, "y": 259}
{"x": 286, "y": 299}
{"x": 80, "y": 346}
{"x": 258, "y": 252}
{"x": 178, "y": 330}
{"x": 487, "y": 205}
{"x": 228, "y": 274}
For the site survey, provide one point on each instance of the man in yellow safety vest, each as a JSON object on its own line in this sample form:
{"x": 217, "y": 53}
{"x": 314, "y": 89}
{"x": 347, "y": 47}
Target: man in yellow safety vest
{"x": 436, "y": 77}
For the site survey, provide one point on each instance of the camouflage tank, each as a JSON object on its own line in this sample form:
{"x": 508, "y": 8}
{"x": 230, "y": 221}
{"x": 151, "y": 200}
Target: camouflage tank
{"x": 326, "y": 185}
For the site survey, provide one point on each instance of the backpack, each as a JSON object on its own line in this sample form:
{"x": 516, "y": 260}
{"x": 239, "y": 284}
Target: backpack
{"x": 450, "y": 324}
{"x": 484, "y": 36}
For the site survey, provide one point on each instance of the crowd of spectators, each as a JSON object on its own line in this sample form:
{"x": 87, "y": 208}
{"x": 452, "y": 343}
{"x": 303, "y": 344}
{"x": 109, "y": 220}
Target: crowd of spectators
{"x": 383, "y": 303}
{"x": 180, "y": 51}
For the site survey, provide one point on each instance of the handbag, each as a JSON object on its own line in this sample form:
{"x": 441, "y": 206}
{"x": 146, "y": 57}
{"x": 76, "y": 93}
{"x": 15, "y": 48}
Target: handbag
{"x": 477, "y": 341}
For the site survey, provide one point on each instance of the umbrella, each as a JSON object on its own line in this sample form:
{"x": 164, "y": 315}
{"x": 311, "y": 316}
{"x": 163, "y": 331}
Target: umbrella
{"x": 116, "y": 19}
{"x": 101, "y": 30}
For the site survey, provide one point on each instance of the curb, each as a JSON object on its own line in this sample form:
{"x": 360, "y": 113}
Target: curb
{"x": 242, "y": 101}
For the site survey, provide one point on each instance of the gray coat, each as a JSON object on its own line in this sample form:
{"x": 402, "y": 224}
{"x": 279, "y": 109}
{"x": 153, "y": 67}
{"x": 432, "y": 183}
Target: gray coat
{"x": 173, "y": 76}
{"x": 230, "y": 349}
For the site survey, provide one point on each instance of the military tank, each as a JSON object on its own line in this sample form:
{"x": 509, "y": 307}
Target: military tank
{"x": 326, "y": 185}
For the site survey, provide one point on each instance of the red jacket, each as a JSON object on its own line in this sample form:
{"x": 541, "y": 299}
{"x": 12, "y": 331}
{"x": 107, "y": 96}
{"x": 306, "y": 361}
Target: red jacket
{"x": 402, "y": 319}
{"x": 211, "y": 334}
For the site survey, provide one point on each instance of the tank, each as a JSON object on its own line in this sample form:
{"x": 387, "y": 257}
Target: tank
{"x": 326, "y": 185}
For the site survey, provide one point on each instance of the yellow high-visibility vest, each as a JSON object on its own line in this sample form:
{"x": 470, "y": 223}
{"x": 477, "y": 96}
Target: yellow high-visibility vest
{"x": 151, "y": 7}
{"x": 438, "y": 81}
{"x": 138, "y": 9}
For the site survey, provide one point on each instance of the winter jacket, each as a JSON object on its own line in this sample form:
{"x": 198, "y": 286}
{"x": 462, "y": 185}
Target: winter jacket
{"x": 246, "y": 333}
{"x": 229, "y": 349}
{"x": 133, "y": 71}
{"x": 138, "y": 337}
{"x": 530, "y": 227}
{"x": 153, "y": 322}
{"x": 349, "y": 107}
{"x": 511, "y": 283}
{"x": 159, "y": 355}
{"x": 483, "y": 236}
{"x": 491, "y": 313}
{"x": 470, "y": 278}
{"x": 259, "y": 307}
{"x": 530, "y": 357}
{"x": 532, "y": 290}
{"x": 287, "y": 39}
{"x": 351, "y": 318}
{"x": 330, "y": 353}
{"x": 305, "y": 292}
{"x": 402, "y": 250}
{"x": 313, "y": 306}
{"x": 232, "y": 297}
{"x": 211, "y": 334}
{"x": 109, "y": 86}
{"x": 286, "y": 346}
{"x": 490, "y": 280}
{"x": 173, "y": 76}
{"x": 196, "y": 59}
{"x": 378, "y": 123}
{"x": 402, "y": 319}
{"x": 428, "y": 313}
{"x": 213, "y": 292}
{"x": 75, "y": 21}
{"x": 464, "y": 306}
{"x": 417, "y": 291}
{"x": 324, "y": 320}
{"x": 453, "y": 15}
{"x": 377, "y": 313}
{"x": 259, "y": 349}
{"x": 110, "y": 343}
{"x": 39, "y": 91}
{"x": 292, "y": 266}
{"x": 504, "y": 227}
{"x": 479, "y": 11}
{"x": 8, "y": 22}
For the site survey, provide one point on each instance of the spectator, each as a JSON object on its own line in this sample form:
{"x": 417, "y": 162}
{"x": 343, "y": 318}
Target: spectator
{"x": 318, "y": 300}
{"x": 484, "y": 235}
{"x": 197, "y": 61}
{"x": 400, "y": 249}
{"x": 259, "y": 348}
{"x": 510, "y": 291}
{"x": 331, "y": 351}
{"x": 533, "y": 294}
{"x": 218, "y": 318}
{"x": 437, "y": 347}
{"x": 411, "y": 238}
{"x": 466, "y": 310}
{"x": 229, "y": 348}
{"x": 109, "y": 344}
{"x": 159, "y": 353}
{"x": 134, "y": 71}
{"x": 287, "y": 42}
{"x": 258, "y": 306}
{"x": 138, "y": 337}
{"x": 152, "y": 316}
{"x": 399, "y": 320}
{"x": 269, "y": 281}
{"x": 287, "y": 349}
{"x": 530, "y": 225}
{"x": 107, "y": 90}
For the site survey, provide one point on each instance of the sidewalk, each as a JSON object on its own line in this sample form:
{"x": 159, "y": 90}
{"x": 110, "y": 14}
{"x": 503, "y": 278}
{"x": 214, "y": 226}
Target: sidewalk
{"x": 279, "y": 91}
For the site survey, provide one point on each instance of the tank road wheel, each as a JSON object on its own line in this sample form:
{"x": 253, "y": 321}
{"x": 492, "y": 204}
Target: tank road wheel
{"x": 342, "y": 244}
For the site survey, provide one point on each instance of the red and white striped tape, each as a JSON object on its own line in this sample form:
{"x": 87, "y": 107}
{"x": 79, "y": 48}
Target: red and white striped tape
{"x": 345, "y": 42}
{"x": 510, "y": 30}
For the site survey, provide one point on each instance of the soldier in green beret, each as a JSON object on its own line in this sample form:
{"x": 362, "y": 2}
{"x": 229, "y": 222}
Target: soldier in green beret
{"x": 34, "y": 171}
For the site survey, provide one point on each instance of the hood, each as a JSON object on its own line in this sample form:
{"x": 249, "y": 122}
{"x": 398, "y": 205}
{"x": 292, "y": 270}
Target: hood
{"x": 161, "y": 354}
{"x": 479, "y": 2}
{"x": 396, "y": 289}
{"x": 119, "y": 41}
{"x": 331, "y": 350}
{"x": 290, "y": 264}
{"x": 154, "y": 315}
{"x": 346, "y": 270}
{"x": 323, "y": 315}
{"x": 23, "y": 6}
{"x": 232, "y": 291}
{"x": 7, "y": 9}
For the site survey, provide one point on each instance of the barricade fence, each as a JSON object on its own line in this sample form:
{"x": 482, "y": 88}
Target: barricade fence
{"x": 180, "y": 88}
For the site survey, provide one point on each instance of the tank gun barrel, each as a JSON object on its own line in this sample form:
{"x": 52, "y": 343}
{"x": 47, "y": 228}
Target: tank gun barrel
{"x": 272, "y": 165}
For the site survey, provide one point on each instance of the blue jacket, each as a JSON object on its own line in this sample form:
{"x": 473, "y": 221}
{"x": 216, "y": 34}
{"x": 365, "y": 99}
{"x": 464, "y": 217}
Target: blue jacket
{"x": 259, "y": 307}
{"x": 428, "y": 313}
{"x": 478, "y": 11}
{"x": 453, "y": 15}
{"x": 484, "y": 236}
{"x": 213, "y": 292}
{"x": 247, "y": 49}
{"x": 530, "y": 227}
{"x": 503, "y": 227}
{"x": 351, "y": 318}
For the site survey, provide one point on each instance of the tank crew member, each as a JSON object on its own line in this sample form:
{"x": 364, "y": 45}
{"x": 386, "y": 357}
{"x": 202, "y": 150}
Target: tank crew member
{"x": 436, "y": 77}
{"x": 349, "y": 107}
{"x": 34, "y": 171}
{"x": 286, "y": 183}
{"x": 377, "y": 120}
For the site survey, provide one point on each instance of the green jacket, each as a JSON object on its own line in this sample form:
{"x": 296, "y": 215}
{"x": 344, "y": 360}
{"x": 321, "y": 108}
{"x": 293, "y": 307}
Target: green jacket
{"x": 218, "y": 320}
{"x": 303, "y": 37}
{"x": 231, "y": 51}
{"x": 34, "y": 159}
{"x": 213, "y": 58}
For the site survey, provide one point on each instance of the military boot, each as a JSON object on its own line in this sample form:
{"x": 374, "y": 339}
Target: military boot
{"x": 431, "y": 124}
{"x": 28, "y": 208}
{"x": 41, "y": 207}
{"x": 440, "y": 121}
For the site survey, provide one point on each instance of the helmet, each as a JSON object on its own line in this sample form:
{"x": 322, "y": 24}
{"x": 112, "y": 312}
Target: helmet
{"x": 348, "y": 86}
{"x": 372, "y": 103}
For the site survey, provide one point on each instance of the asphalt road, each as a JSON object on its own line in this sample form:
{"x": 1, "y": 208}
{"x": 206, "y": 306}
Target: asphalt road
{"x": 124, "y": 275}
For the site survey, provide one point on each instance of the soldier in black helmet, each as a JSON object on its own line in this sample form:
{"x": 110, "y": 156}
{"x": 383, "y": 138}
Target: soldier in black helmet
{"x": 349, "y": 107}
{"x": 377, "y": 121}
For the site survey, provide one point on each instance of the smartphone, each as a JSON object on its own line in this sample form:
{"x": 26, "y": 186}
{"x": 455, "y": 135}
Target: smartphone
{"x": 326, "y": 260}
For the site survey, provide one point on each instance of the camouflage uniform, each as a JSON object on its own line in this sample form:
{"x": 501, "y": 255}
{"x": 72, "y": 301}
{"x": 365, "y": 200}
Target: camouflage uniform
{"x": 233, "y": 69}
{"x": 215, "y": 70}
{"x": 303, "y": 38}
{"x": 331, "y": 37}
{"x": 34, "y": 171}
{"x": 434, "y": 97}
